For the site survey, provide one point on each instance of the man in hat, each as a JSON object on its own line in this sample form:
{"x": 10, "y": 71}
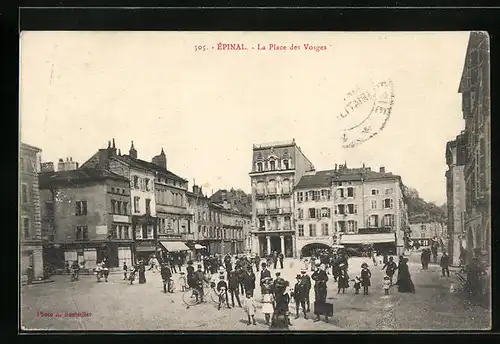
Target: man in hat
{"x": 166, "y": 274}
{"x": 263, "y": 274}
{"x": 199, "y": 278}
{"x": 307, "y": 283}
{"x": 445, "y": 264}
{"x": 299, "y": 295}
{"x": 249, "y": 281}
{"x": 320, "y": 277}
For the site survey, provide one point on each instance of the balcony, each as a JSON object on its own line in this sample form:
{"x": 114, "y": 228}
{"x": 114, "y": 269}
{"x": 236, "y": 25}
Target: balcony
{"x": 121, "y": 218}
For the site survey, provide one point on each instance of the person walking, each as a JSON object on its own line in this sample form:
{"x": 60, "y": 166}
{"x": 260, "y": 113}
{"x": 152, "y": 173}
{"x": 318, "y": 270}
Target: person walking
{"x": 263, "y": 274}
{"x": 30, "y": 274}
{"x": 299, "y": 295}
{"x": 404, "y": 282}
{"x": 386, "y": 284}
{"x": 308, "y": 285}
{"x": 445, "y": 264}
{"x": 227, "y": 263}
{"x": 240, "y": 275}
{"x": 267, "y": 299}
{"x": 390, "y": 268}
{"x": 166, "y": 275}
{"x": 275, "y": 260}
{"x": 249, "y": 281}
{"x": 234, "y": 281}
{"x": 281, "y": 257}
{"x": 172, "y": 262}
{"x": 365, "y": 278}
{"x": 250, "y": 308}
{"x": 320, "y": 277}
{"x": 142, "y": 272}
{"x": 125, "y": 269}
{"x": 343, "y": 281}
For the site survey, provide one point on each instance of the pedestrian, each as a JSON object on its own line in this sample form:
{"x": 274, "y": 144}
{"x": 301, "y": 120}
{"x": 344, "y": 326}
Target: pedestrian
{"x": 267, "y": 299}
{"x": 308, "y": 284}
{"x": 249, "y": 281}
{"x": 172, "y": 264}
{"x": 404, "y": 282}
{"x": 142, "y": 272}
{"x": 183, "y": 281}
{"x": 281, "y": 257}
{"x": 206, "y": 264}
{"x": 282, "y": 297}
{"x": 227, "y": 262}
{"x": 365, "y": 278}
{"x": 166, "y": 276}
{"x": 445, "y": 264}
{"x": 30, "y": 274}
{"x": 299, "y": 295}
{"x": 222, "y": 292}
{"x": 390, "y": 268}
{"x": 105, "y": 269}
{"x": 133, "y": 272}
{"x": 320, "y": 277}
{"x": 125, "y": 269}
{"x": 263, "y": 274}
{"x": 386, "y": 284}
{"x": 374, "y": 257}
{"x": 234, "y": 287}
{"x": 257, "y": 262}
{"x": 179, "y": 262}
{"x": 343, "y": 281}
{"x": 240, "y": 275}
{"x": 67, "y": 267}
{"x": 275, "y": 260}
{"x": 357, "y": 284}
{"x": 250, "y": 308}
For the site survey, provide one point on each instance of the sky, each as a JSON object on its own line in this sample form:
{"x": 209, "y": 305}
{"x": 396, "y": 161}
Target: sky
{"x": 78, "y": 90}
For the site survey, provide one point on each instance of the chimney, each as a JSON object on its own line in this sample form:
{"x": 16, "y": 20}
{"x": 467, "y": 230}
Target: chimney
{"x": 60, "y": 165}
{"x": 160, "y": 160}
{"x": 132, "y": 152}
{"x": 335, "y": 167}
{"x": 382, "y": 169}
{"x": 119, "y": 152}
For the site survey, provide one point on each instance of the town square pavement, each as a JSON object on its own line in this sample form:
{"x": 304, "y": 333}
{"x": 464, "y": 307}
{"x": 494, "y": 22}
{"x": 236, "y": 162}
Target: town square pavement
{"x": 119, "y": 306}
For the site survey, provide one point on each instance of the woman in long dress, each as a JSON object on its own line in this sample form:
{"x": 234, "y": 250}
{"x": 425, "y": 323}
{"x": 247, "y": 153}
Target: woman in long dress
{"x": 320, "y": 292}
{"x": 404, "y": 283}
{"x": 142, "y": 273}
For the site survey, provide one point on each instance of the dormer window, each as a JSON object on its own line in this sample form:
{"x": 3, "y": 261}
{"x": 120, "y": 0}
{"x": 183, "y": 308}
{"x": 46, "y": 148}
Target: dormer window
{"x": 285, "y": 164}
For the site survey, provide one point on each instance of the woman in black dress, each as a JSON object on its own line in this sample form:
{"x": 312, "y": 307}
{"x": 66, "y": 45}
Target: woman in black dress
{"x": 320, "y": 292}
{"x": 142, "y": 273}
{"x": 404, "y": 283}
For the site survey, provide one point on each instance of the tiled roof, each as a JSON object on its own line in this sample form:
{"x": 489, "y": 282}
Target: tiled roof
{"x": 325, "y": 178}
{"x": 138, "y": 163}
{"x": 77, "y": 176}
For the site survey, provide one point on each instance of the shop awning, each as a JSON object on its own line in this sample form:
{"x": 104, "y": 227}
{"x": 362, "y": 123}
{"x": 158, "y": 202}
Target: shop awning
{"x": 199, "y": 247}
{"x": 145, "y": 248}
{"x": 368, "y": 238}
{"x": 174, "y": 246}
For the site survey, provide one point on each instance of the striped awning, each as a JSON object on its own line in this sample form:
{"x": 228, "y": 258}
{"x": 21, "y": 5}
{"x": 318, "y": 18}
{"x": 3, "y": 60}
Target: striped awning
{"x": 174, "y": 246}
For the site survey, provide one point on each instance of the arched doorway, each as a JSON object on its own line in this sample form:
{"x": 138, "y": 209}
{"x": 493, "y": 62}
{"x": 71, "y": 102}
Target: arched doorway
{"x": 309, "y": 249}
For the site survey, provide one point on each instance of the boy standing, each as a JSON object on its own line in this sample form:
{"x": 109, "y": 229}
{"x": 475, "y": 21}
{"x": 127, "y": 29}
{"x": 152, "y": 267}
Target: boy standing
{"x": 299, "y": 295}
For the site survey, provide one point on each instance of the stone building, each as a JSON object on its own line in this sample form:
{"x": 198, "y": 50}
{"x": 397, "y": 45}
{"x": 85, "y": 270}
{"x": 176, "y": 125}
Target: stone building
{"x": 475, "y": 90}
{"x": 85, "y": 217}
{"x": 455, "y": 196}
{"x": 29, "y": 216}
{"x": 425, "y": 232}
{"x": 276, "y": 168}
{"x": 352, "y": 207}
{"x": 197, "y": 203}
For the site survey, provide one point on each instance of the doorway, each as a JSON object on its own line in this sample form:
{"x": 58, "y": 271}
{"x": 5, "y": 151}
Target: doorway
{"x": 275, "y": 244}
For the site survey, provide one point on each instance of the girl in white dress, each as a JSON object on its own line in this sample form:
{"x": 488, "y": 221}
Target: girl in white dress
{"x": 267, "y": 300}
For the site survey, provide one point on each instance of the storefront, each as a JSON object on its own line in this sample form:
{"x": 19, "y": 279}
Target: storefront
{"x": 145, "y": 250}
{"x": 381, "y": 242}
{"x": 175, "y": 249}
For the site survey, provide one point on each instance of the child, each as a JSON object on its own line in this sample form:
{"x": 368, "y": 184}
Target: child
{"x": 343, "y": 281}
{"x": 267, "y": 299}
{"x": 387, "y": 284}
{"x": 125, "y": 268}
{"x": 250, "y": 308}
{"x": 222, "y": 292}
{"x": 131, "y": 276}
{"x": 183, "y": 281}
{"x": 365, "y": 278}
{"x": 357, "y": 284}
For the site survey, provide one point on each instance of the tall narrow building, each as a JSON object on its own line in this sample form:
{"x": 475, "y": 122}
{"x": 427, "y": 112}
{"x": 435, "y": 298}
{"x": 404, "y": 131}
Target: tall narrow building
{"x": 276, "y": 168}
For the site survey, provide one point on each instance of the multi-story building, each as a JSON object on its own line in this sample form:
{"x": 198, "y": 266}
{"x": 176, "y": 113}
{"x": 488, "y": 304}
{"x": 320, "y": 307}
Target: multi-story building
{"x": 351, "y": 207}
{"x": 276, "y": 168}
{"x": 197, "y": 204}
{"x": 29, "y": 217}
{"x": 157, "y": 197}
{"x": 425, "y": 232}
{"x": 85, "y": 217}
{"x": 475, "y": 90}
{"x": 313, "y": 212}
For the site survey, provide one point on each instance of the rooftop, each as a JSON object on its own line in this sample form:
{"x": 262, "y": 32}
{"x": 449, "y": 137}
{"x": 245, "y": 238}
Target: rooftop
{"x": 274, "y": 144}
{"x": 148, "y": 166}
{"x": 74, "y": 177}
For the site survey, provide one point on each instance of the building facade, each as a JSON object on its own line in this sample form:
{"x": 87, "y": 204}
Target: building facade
{"x": 85, "y": 217}
{"x": 425, "y": 232}
{"x": 276, "y": 169}
{"x": 352, "y": 207}
{"x": 475, "y": 90}
{"x": 31, "y": 252}
{"x": 455, "y": 196}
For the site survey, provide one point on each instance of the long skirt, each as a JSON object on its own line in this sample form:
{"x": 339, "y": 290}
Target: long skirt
{"x": 405, "y": 285}
{"x": 142, "y": 277}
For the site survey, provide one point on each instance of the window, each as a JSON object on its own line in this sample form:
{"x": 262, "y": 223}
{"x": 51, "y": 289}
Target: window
{"x": 300, "y": 213}
{"x": 352, "y": 226}
{"x": 147, "y": 184}
{"x": 422, "y": 235}
{"x": 82, "y": 233}
{"x": 119, "y": 207}
{"x": 49, "y": 207}
{"x": 81, "y": 208}
{"x": 148, "y": 206}
{"x": 324, "y": 229}
{"x": 113, "y": 190}
{"x": 26, "y": 227}
{"x": 373, "y": 221}
{"x": 352, "y": 208}
{"x": 325, "y": 212}
{"x": 374, "y": 192}
{"x": 340, "y": 192}
{"x": 125, "y": 208}
{"x": 136, "y": 204}
{"x": 259, "y": 167}
{"x": 341, "y": 226}
{"x": 388, "y": 203}
{"x": 136, "y": 182}
{"x": 341, "y": 208}
{"x": 422, "y": 228}
{"x": 306, "y": 194}
{"x": 388, "y": 220}
{"x": 285, "y": 164}
{"x": 113, "y": 232}
{"x": 350, "y": 192}
{"x": 374, "y": 204}
{"x": 312, "y": 230}
{"x": 24, "y": 193}
{"x": 300, "y": 197}
{"x": 125, "y": 232}
{"x": 389, "y": 191}
{"x": 113, "y": 206}
{"x": 272, "y": 165}
{"x": 325, "y": 195}
{"x": 316, "y": 196}
{"x": 312, "y": 213}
